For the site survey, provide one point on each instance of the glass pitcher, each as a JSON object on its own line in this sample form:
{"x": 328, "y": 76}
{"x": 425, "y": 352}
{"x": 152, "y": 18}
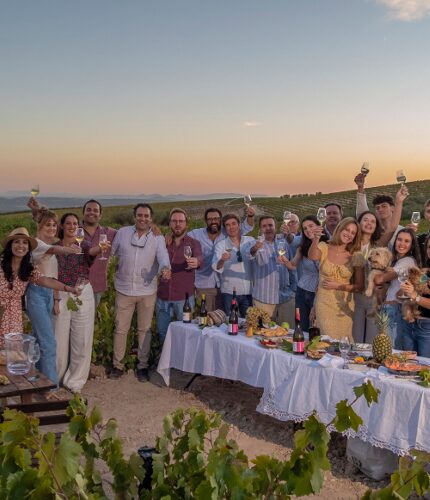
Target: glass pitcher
{"x": 17, "y": 345}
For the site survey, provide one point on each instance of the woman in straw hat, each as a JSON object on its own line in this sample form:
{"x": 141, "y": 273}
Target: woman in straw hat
{"x": 40, "y": 302}
{"x": 16, "y": 272}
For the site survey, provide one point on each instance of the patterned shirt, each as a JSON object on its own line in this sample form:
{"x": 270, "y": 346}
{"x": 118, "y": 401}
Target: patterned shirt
{"x": 74, "y": 266}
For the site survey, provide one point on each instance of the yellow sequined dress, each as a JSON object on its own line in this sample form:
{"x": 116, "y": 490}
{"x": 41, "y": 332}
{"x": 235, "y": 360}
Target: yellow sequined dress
{"x": 334, "y": 308}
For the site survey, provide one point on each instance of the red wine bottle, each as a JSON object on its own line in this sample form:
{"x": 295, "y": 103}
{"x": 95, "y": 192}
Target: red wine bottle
{"x": 233, "y": 320}
{"x": 298, "y": 337}
{"x": 186, "y": 311}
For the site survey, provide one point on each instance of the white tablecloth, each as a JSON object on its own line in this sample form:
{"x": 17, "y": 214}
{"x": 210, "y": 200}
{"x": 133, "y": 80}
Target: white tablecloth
{"x": 294, "y": 386}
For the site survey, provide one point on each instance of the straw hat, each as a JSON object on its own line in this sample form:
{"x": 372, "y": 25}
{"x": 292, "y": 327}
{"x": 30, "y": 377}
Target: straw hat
{"x": 20, "y": 232}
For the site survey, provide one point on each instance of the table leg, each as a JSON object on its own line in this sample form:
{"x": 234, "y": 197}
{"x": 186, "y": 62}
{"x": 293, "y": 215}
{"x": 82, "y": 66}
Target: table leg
{"x": 192, "y": 380}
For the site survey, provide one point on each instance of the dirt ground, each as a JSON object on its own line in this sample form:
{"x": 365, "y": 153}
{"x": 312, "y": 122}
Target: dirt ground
{"x": 140, "y": 407}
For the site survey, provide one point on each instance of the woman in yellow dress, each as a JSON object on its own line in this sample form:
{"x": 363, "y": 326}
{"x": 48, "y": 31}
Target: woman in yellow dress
{"x": 341, "y": 274}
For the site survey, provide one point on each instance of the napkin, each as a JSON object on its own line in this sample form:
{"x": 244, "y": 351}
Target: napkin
{"x": 329, "y": 361}
{"x": 210, "y": 331}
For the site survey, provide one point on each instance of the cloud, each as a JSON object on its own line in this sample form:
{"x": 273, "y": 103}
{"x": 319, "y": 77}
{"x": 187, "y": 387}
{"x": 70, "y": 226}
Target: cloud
{"x": 251, "y": 124}
{"x": 407, "y": 10}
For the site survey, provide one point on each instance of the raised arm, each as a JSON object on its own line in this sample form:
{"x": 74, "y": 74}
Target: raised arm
{"x": 361, "y": 195}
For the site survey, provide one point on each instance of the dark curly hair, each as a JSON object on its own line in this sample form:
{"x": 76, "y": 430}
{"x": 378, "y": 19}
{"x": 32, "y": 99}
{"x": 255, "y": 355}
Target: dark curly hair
{"x": 378, "y": 230}
{"x": 307, "y": 242}
{"x": 25, "y": 268}
{"x": 414, "y": 251}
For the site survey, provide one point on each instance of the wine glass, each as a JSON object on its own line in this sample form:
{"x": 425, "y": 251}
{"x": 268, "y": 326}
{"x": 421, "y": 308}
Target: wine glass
{"x": 103, "y": 245}
{"x": 80, "y": 283}
{"x": 415, "y": 219}
{"x": 400, "y": 176}
{"x": 247, "y": 200}
{"x": 188, "y": 253}
{"x": 365, "y": 168}
{"x": 344, "y": 348}
{"x": 228, "y": 245}
{"x": 33, "y": 356}
{"x": 35, "y": 190}
{"x": 402, "y": 276}
{"x": 322, "y": 215}
{"x": 79, "y": 237}
{"x": 287, "y": 216}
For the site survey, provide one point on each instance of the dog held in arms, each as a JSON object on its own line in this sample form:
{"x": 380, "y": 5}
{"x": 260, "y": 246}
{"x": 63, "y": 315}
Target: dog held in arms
{"x": 380, "y": 261}
{"x": 419, "y": 279}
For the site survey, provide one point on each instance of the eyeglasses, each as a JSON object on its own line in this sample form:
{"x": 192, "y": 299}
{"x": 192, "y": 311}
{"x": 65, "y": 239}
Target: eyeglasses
{"x": 137, "y": 243}
{"x": 213, "y": 219}
{"x": 239, "y": 256}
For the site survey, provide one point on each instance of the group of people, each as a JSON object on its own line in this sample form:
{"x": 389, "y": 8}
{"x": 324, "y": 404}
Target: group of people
{"x": 321, "y": 269}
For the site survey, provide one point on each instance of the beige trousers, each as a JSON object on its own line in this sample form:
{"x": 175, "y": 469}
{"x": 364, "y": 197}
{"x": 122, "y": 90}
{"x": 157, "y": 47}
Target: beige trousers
{"x": 125, "y": 306}
{"x": 74, "y": 336}
{"x": 279, "y": 312}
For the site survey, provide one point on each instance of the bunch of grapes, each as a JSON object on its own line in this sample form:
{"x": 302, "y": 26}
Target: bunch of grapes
{"x": 253, "y": 316}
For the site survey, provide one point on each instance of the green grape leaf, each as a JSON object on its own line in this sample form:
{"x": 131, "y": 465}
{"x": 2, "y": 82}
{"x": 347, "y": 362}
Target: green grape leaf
{"x": 72, "y": 305}
{"x": 314, "y": 343}
{"x": 67, "y": 459}
{"x": 368, "y": 391}
{"x": 287, "y": 346}
{"x": 346, "y": 418}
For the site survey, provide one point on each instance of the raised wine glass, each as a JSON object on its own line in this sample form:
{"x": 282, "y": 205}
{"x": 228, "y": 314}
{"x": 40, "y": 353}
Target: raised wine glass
{"x": 247, "y": 200}
{"x": 365, "y": 168}
{"x": 103, "y": 245}
{"x": 286, "y": 216}
{"x": 415, "y": 219}
{"x": 33, "y": 356}
{"x": 79, "y": 237}
{"x": 35, "y": 190}
{"x": 344, "y": 348}
{"x": 188, "y": 253}
{"x": 400, "y": 176}
{"x": 322, "y": 215}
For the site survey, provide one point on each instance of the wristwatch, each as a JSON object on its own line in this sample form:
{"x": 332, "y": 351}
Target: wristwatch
{"x": 418, "y": 298}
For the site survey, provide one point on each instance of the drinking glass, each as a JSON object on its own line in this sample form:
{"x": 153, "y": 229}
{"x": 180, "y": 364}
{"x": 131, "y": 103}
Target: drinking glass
{"x": 80, "y": 283}
{"x": 103, "y": 245}
{"x": 415, "y": 219}
{"x": 402, "y": 276}
{"x": 344, "y": 348}
{"x": 287, "y": 216}
{"x": 33, "y": 357}
{"x": 322, "y": 215}
{"x": 188, "y": 253}
{"x": 400, "y": 176}
{"x": 80, "y": 234}
{"x": 247, "y": 200}
{"x": 365, "y": 168}
{"x": 35, "y": 190}
{"x": 228, "y": 245}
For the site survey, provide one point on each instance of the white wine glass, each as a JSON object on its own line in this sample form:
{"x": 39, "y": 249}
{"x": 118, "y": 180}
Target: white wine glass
{"x": 80, "y": 283}
{"x": 103, "y": 245}
{"x": 33, "y": 356}
{"x": 322, "y": 215}
{"x": 286, "y": 216}
{"x": 365, "y": 168}
{"x": 415, "y": 219}
{"x": 35, "y": 190}
{"x": 400, "y": 176}
{"x": 188, "y": 253}
{"x": 247, "y": 200}
{"x": 344, "y": 348}
{"x": 79, "y": 237}
{"x": 402, "y": 276}
{"x": 228, "y": 245}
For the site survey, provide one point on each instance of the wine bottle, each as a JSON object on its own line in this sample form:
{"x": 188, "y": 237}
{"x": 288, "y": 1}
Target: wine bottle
{"x": 298, "y": 337}
{"x": 314, "y": 331}
{"x": 233, "y": 320}
{"x": 203, "y": 313}
{"x": 186, "y": 311}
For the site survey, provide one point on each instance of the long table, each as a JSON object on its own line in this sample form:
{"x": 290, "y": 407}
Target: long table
{"x": 294, "y": 386}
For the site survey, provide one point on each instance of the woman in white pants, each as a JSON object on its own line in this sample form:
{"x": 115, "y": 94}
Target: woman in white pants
{"x": 74, "y": 328}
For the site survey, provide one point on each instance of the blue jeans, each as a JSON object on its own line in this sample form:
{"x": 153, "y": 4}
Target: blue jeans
{"x": 39, "y": 309}
{"x": 394, "y": 313}
{"x": 243, "y": 302}
{"x": 305, "y": 302}
{"x": 416, "y": 337}
{"x": 165, "y": 310}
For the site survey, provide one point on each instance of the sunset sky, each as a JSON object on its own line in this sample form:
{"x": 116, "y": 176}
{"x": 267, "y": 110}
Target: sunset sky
{"x": 171, "y": 96}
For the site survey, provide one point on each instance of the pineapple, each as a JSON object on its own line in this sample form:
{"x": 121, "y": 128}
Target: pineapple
{"x": 381, "y": 346}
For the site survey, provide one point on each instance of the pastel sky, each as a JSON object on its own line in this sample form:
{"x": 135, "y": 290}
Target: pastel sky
{"x": 198, "y": 96}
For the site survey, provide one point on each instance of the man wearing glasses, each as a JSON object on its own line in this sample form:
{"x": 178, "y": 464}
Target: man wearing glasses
{"x": 232, "y": 265}
{"x": 207, "y": 280}
{"x": 185, "y": 256}
{"x": 141, "y": 257}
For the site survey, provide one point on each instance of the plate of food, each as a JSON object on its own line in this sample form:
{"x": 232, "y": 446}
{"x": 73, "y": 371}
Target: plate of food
{"x": 277, "y": 331}
{"x": 268, "y": 343}
{"x": 404, "y": 368}
{"x": 361, "y": 347}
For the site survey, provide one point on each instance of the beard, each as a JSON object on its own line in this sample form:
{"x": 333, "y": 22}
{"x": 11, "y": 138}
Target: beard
{"x": 214, "y": 228}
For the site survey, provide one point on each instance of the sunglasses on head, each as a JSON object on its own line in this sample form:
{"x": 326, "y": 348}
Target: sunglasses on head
{"x": 239, "y": 256}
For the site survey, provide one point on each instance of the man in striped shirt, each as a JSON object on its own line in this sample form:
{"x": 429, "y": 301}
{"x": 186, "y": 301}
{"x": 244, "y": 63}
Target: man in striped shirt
{"x": 274, "y": 286}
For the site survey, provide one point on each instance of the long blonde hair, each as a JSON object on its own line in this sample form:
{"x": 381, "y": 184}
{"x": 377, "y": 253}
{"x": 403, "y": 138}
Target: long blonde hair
{"x": 355, "y": 244}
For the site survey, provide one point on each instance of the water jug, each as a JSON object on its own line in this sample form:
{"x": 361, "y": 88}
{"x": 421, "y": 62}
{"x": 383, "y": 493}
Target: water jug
{"x": 17, "y": 345}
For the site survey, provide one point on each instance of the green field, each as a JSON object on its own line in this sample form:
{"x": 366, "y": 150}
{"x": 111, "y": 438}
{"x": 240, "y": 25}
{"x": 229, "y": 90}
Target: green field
{"x": 301, "y": 205}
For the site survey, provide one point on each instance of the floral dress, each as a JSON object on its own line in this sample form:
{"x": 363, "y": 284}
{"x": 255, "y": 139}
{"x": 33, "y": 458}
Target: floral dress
{"x": 10, "y": 303}
{"x": 335, "y": 308}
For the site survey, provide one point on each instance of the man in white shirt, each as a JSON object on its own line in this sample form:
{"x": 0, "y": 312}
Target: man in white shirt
{"x": 142, "y": 255}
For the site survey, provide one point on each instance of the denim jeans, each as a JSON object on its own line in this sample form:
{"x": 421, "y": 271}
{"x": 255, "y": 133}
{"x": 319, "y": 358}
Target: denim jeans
{"x": 394, "y": 313}
{"x": 165, "y": 310}
{"x": 416, "y": 337}
{"x": 39, "y": 309}
{"x": 305, "y": 302}
{"x": 243, "y": 302}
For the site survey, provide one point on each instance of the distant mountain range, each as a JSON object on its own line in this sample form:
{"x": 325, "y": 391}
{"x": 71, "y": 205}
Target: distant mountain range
{"x": 14, "y": 201}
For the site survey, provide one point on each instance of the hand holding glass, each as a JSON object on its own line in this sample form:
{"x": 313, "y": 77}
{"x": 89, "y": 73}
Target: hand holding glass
{"x": 80, "y": 234}
{"x": 33, "y": 357}
{"x": 402, "y": 276}
{"x": 188, "y": 253}
{"x": 80, "y": 283}
{"x": 35, "y": 190}
{"x": 415, "y": 219}
{"x": 247, "y": 200}
{"x": 103, "y": 245}
{"x": 400, "y": 176}
{"x": 365, "y": 168}
{"x": 287, "y": 216}
{"x": 321, "y": 215}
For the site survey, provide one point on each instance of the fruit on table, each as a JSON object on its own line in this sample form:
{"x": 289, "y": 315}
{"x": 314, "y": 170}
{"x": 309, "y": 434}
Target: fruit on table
{"x": 285, "y": 325}
{"x": 4, "y": 380}
{"x": 250, "y": 331}
{"x": 381, "y": 346}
